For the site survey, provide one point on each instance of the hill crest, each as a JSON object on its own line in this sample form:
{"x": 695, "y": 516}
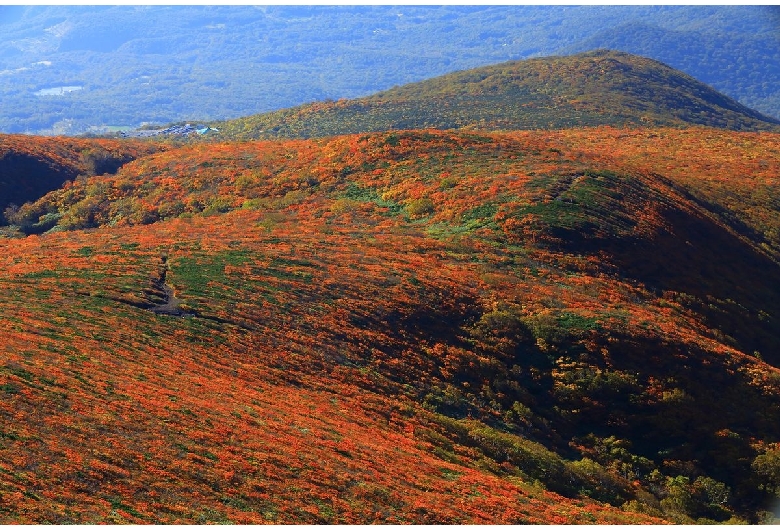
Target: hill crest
{"x": 595, "y": 88}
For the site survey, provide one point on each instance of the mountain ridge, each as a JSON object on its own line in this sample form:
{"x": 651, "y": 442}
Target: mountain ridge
{"x": 595, "y": 88}
{"x": 676, "y": 47}
{"x": 554, "y": 314}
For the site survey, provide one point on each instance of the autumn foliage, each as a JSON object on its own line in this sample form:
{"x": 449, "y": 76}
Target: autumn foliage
{"x": 571, "y": 326}
{"x": 32, "y": 166}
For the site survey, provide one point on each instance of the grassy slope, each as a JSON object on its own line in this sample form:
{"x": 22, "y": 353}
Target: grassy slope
{"x": 457, "y": 303}
{"x": 265, "y": 408}
{"x": 594, "y": 88}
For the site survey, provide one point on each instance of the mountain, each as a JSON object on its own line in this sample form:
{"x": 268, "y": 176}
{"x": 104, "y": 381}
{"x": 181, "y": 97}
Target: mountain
{"x": 542, "y": 291}
{"x": 725, "y": 60}
{"x": 32, "y": 166}
{"x": 420, "y": 326}
{"x": 594, "y": 88}
{"x": 75, "y": 69}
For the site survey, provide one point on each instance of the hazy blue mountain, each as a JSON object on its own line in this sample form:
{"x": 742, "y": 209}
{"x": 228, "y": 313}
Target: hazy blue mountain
{"x": 66, "y": 68}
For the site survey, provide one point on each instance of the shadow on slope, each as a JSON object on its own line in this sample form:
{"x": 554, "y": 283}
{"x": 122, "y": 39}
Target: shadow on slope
{"x": 31, "y": 167}
{"x": 675, "y": 245}
{"x": 24, "y": 178}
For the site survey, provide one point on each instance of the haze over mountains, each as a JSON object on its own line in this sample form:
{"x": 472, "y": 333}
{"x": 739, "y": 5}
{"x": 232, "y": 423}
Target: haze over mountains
{"x": 66, "y": 69}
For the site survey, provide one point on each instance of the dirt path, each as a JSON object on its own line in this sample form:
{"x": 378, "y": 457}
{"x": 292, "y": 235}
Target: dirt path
{"x": 171, "y": 304}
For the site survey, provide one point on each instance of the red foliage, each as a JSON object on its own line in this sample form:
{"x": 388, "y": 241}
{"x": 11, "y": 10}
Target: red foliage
{"x": 320, "y": 304}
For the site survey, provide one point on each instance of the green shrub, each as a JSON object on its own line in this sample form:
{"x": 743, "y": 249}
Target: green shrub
{"x": 597, "y": 483}
{"x": 501, "y": 331}
{"x": 447, "y": 183}
{"x": 218, "y": 205}
{"x": 417, "y": 208}
{"x": 678, "y": 498}
{"x": 766, "y": 467}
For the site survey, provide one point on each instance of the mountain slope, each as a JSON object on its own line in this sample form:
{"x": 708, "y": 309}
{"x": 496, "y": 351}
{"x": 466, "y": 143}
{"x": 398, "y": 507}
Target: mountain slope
{"x": 594, "y": 88}
{"x": 32, "y": 166}
{"x": 262, "y": 405}
{"x": 494, "y": 306}
{"x": 725, "y": 60}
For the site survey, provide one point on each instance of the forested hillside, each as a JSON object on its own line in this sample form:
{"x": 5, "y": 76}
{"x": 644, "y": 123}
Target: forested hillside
{"x": 74, "y": 69}
{"x": 595, "y": 88}
{"x": 573, "y": 326}
{"x": 31, "y": 167}
{"x": 727, "y": 61}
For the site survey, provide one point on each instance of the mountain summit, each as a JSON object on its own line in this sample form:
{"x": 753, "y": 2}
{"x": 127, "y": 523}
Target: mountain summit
{"x": 596, "y": 88}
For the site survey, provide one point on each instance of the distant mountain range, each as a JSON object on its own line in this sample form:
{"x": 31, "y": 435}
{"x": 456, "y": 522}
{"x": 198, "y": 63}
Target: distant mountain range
{"x": 594, "y": 88}
{"x": 71, "y": 69}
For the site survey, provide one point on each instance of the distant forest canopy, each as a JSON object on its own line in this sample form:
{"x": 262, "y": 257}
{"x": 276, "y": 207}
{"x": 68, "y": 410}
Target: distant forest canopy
{"x": 75, "y": 69}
